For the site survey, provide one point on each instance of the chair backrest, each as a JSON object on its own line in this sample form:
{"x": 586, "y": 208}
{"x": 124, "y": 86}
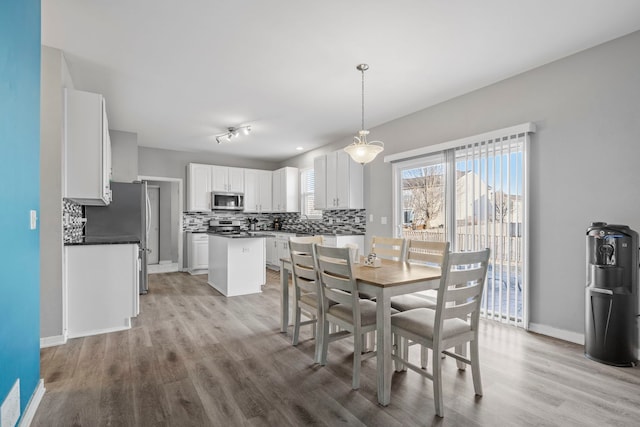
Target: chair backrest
{"x": 307, "y": 239}
{"x": 336, "y": 278}
{"x": 461, "y": 286}
{"x": 305, "y": 277}
{"x": 423, "y": 252}
{"x": 389, "y": 247}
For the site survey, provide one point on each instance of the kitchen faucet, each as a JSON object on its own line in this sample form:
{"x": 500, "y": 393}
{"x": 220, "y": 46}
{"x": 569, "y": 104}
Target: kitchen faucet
{"x": 307, "y": 225}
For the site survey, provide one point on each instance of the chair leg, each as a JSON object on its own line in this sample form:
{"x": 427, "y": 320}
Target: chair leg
{"x": 325, "y": 342}
{"x": 405, "y": 351}
{"x": 437, "y": 384}
{"x": 315, "y": 326}
{"x": 475, "y": 367}
{"x": 357, "y": 358}
{"x": 424, "y": 357}
{"x": 296, "y": 325}
{"x": 462, "y": 351}
{"x": 319, "y": 335}
{"x": 396, "y": 349}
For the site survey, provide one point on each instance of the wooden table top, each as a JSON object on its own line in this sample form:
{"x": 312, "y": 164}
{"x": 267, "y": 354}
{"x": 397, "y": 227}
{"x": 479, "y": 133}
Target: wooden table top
{"x": 394, "y": 273}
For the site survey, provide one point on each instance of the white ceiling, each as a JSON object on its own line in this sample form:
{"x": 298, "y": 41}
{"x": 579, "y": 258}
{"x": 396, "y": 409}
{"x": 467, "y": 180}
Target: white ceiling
{"x": 178, "y": 72}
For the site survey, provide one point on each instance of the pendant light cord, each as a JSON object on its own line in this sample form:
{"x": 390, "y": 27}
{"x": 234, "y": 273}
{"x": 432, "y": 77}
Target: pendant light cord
{"x": 362, "y": 71}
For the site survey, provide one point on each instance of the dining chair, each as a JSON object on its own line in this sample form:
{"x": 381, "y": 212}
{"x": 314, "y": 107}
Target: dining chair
{"x": 342, "y": 305}
{"x": 392, "y": 248}
{"x": 427, "y": 253}
{"x": 307, "y": 239}
{"x": 453, "y": 323}
{"x": 306, "y": 294}
{"x": 421, "y": 252}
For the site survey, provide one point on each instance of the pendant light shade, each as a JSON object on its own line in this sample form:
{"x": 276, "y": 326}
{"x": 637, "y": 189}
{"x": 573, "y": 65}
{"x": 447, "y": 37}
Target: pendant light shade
{"x": 360, "y": 150}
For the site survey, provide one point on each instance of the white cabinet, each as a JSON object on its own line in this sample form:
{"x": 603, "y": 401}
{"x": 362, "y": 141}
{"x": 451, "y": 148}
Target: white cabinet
{"x": 198, "y": 187}
{"x": 227, "y": 179}
{"x": 338, "y": 182}
{"x": 257, "y": 190}
{"x": 87, "y": 149}
{"x": 203, "y": 179}
{"x": 272, "y": 251}
{"x": 339, "y": 241}
{"x": 236, "y": 266}
{"x": 282, "y": 246}
{"x": 286, "y": 189}
{"x": 198, "y": 246}
{"x": 101, "y": 288}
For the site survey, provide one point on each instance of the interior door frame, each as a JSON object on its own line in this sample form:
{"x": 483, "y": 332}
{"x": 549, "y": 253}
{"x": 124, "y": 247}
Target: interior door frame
{"x": 177, "y": 209}
{"x": 156, "y": 255}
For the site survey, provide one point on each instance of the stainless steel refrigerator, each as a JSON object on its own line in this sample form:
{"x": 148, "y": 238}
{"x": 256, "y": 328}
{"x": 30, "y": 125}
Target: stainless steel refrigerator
{"x": 125, "y": 217}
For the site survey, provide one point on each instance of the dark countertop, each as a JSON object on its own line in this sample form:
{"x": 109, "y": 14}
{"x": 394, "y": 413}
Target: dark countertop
{"x": 106, "y": 240}
{"x": 243, "y": 235}
{"x": 323, "y": 233}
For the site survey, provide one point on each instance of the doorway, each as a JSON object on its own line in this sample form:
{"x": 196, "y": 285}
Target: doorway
{"x": 153, "y": 239}
{"x": 165, "y": 232}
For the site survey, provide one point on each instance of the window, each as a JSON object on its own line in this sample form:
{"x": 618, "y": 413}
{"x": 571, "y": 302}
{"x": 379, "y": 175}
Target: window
{"x": 473, "y": 193}
{"x": 307, "y": 194}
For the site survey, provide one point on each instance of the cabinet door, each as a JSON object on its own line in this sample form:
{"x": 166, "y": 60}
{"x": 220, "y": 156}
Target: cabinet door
{"x": 342, "y": 180}
{"x": 198, "y": 187}
{"x": 201, "y": 255}
{"x": 236, "y": 180}
{"x": 219, "y": 178}
{"x": 320, "y": 182}
{"x": 251, "y": 190}
{"x": 86, "y": 150}
{"x": 265, "y": 192}
{"x": 277, "y": 204}
{"x": 332, "y": 181}
{"x": 272, "y": 250}
{"x": 283, "y": 249}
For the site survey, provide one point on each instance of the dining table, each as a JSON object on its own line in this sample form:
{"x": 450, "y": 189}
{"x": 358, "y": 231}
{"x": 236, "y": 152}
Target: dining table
{"x": 391, "y": 278}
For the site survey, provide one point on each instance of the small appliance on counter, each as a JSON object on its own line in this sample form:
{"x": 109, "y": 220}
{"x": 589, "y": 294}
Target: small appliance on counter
{"x": 277, "y": 225}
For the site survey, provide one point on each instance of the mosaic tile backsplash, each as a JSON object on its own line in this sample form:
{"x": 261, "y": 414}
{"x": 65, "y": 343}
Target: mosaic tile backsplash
{"x": 341, "y": 221}
{"x": 72, "y": 225}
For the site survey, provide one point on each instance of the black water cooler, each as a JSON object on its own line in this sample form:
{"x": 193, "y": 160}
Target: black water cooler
{"x": 611, "y": 329}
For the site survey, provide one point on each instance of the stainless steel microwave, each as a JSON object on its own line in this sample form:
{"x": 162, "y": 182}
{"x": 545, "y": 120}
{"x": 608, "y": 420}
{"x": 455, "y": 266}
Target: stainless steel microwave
{"x": 227, "y": 201}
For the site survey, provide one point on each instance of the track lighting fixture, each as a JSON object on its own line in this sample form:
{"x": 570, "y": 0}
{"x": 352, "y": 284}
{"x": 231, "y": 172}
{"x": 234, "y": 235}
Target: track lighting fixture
{"x": 232, "y": 132}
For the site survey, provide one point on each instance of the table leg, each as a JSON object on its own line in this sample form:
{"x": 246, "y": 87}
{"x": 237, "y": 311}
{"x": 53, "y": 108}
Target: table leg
{"x": 284, "y": 297}
{"x": 383, "y": 355}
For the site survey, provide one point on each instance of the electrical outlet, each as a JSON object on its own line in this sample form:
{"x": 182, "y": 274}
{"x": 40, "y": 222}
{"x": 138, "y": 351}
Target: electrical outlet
{"x": 10, "y": 410}
{"x": 383, "y": 220}
{"x": 370, "y": 217}
{"x": 33, "y": 219}
{"x": 356, "y": 220}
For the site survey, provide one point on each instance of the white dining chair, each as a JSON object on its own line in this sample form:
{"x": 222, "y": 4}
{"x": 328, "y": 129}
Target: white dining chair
{"x": 392, "y": 248}
{"x": 306, "y": 291}
{"x": 342, "y": 305}
{"x": 453, "y": 323}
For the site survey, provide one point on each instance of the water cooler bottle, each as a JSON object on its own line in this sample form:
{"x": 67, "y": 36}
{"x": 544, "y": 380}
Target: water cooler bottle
{"x": 611, "y": 330}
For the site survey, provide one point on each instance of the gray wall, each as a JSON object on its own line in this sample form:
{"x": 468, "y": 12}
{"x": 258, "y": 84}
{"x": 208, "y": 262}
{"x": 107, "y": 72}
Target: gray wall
{"x": 124, "y": 156}
{"x": 54, "y": 77}
{"x": 584, "y": 162}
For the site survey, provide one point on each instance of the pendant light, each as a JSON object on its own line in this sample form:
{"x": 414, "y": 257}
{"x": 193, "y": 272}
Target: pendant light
{"x": 360, "y": 150}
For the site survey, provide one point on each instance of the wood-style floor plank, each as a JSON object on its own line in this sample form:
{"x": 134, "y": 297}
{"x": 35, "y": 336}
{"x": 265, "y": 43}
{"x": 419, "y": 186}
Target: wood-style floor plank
{"x": 196, "y": 358}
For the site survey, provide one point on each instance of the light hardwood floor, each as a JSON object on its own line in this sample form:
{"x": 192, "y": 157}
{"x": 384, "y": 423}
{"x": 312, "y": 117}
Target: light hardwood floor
{"x": 196, "y": 358}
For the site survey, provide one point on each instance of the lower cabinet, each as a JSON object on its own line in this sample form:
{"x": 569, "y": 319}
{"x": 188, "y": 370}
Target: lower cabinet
{"x": 272, "y": 251}
{"x": 102, "y": 292}
{"x": 198, "y": 256}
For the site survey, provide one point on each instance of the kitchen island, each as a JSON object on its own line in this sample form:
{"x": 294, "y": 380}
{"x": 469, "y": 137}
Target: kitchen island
{"x": 236, "y": 263}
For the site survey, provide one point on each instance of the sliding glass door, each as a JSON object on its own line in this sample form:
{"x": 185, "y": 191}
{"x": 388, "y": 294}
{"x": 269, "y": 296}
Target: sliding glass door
{"x": 473, "y": 195}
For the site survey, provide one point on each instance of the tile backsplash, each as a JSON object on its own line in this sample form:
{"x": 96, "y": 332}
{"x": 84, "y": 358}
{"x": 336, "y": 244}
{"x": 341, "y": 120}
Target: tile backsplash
{"x": 72, "y": 224}
{"x": 345, "y": 221}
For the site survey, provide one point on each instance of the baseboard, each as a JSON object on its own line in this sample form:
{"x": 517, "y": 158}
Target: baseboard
{"x": 103, "y": 331}
{"x": 167, "y": 267}
{"x": 561, "y": 334}
{"x": 165, "y": 261}
{"x": 32, "y": 406}
{"x": 52, "y": 341}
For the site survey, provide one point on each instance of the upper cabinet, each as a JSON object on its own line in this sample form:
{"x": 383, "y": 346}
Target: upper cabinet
{"x": 87, "y": 149}
{"x": 338, "y": 182}
{"x": 227, "y": 179}
{"x": 257, "y": 190}
{"x": 198, "y": 187}
{"x": 286, "y": 190}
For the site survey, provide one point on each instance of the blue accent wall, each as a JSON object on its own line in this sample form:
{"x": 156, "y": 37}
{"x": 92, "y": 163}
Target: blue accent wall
{"x": 19, "y": 193}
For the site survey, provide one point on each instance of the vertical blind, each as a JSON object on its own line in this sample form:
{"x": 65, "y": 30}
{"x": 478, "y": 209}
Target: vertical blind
{"x": 484, "y": 180}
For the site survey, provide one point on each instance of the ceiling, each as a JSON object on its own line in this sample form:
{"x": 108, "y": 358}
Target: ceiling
{"x": 178, "y": 73}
